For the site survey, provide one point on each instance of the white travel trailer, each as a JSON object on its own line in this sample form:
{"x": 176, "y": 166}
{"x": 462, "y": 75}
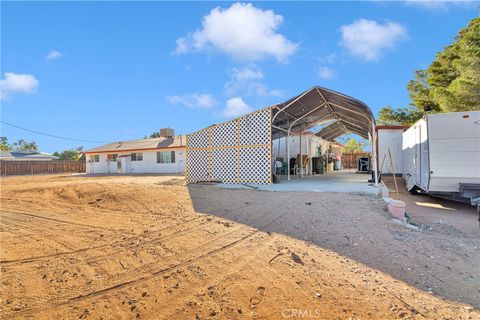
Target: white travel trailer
{"x": 441, "y": 156}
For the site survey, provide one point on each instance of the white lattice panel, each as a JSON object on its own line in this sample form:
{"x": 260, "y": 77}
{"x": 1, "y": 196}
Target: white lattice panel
{"x": 237, "y": 151}
{"x": 198, "y": 139}
{"x": 225, "y": 134}
{"x": 197, "y": 165}
{"x": 224, "y": 165}
{"x": 255, "y": 128}
{"x": 255, "y": 165}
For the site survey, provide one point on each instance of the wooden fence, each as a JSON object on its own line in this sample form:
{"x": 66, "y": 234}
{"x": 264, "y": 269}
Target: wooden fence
{"x": 350, "y": 160}
{"x": 12, "y": 167}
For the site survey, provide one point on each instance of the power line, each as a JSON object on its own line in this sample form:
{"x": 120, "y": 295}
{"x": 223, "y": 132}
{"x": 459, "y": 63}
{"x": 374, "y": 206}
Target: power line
{"x": 50, "y": 135}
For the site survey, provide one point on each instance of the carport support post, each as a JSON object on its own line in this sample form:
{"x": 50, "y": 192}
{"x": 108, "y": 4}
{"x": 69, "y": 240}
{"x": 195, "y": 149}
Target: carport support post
{"x": 288, "y": 153}
{"x": 290, "y": 128}
{"x": 374, "y": 152}
{"x": 301, "y": 162}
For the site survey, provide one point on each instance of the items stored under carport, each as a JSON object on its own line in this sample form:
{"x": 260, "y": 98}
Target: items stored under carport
{"x": 318, "y": 165}
{"x": 363, "y": 165}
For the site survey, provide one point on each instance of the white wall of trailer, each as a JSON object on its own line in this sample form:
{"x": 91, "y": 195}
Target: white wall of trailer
{"x": 147, "y": 165}
{"x": 442, "y": 151}
{"x": 415, "y": 155}
{"x": 454, "y": 148}
{"x": 390, "y": 139}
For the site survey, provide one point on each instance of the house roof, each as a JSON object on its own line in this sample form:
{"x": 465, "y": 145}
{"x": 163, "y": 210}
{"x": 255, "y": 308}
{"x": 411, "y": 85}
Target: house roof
{"x": 318, "y": 106}
{"x": 5, "y": 154}
{"x": 26, "y": 155}
{"x": 140, "y": 144}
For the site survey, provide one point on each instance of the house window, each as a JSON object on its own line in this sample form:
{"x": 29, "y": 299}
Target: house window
{"x": 95, "y": 158}
{"x": 112, "y": 157}
{"x": 136, "y": 156}
{"x": 166, "y": 157}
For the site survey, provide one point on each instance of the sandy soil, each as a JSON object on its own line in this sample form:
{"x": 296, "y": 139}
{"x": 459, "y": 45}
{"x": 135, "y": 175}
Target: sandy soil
{"x": 434, "y": 212}
{"x": 153, "y": 248}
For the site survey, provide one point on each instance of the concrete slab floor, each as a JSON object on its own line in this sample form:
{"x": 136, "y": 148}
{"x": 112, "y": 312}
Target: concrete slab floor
{"x": 337, "y": 181}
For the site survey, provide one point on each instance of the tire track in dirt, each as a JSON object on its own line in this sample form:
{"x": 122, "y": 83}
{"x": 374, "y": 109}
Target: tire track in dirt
{"x": 114, "y": 244}
{"x": 218, "y": 274}
{"x": 149, "y": 270}
{"x": 57, "y": 220}
{"x": 12, "y": 228}
{"x": 38, "y": 226}
{"x": 159, "y": 271}
{"x": 157, "y": 218}
{"x": 39, "y": 241}
{"x": 123, "y": 214}
{"x": 96, "y": 264}
{"x": 66, "y": 204}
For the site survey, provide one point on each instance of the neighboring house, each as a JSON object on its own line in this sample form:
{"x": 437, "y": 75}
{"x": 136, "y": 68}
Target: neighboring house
{"x": 26, "y": 155}
{"x": 155, "y": 155}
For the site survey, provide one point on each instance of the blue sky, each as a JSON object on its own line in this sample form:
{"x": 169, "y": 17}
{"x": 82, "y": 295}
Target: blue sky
{"x": 109, "y": 71}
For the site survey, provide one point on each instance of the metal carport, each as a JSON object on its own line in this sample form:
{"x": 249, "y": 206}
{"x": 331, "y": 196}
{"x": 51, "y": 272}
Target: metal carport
{"x": 318, "y": 106}
{"x": 220, "y": 152}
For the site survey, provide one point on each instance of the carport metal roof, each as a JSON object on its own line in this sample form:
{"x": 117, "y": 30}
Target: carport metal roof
{"x": 318, "y": 106}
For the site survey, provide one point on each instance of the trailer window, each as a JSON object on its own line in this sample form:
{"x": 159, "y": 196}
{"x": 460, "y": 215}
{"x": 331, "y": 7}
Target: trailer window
{"x": 112, "y": 157}
{"x": 95, "y": 158}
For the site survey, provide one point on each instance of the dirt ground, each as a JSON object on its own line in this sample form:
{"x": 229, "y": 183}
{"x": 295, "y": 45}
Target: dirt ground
{"x": 434, "y": 212}
{"x": 151, "y": 247}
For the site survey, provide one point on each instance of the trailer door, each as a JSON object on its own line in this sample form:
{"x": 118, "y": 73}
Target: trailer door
{"x": 423, "y": 154}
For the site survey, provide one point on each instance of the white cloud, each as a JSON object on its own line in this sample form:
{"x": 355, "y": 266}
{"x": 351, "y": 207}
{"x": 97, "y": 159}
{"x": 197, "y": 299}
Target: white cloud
{"x": 235, "y": 107}
{"x": 260, "y": 89}
{"x": 328, "y": 59}
{"x": 195, "y": 100}
{"x": 53, "y": 55}
{"x": 17, "y": 83}
{"x": 240, "y": 78}
{"x": 367, "y": 39}
{"x": 242, "y": 31}
{"x": 248, "y": 79}
{"x": 326, "y": 73}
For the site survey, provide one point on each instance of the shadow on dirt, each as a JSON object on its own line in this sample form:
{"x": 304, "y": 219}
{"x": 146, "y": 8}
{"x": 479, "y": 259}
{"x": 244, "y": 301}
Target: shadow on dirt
{"x": 356, "y": 226}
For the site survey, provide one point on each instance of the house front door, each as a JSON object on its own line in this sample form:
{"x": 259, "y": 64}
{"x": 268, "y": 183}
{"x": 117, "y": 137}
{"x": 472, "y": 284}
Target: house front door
{"x": 119, "y": 165}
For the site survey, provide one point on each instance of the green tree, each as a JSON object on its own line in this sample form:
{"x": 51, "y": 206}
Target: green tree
{"x": 4, "y": 145}
{"x": 394, "y": 117}
{"x": 25, "y": 145}
{"x": 353, "y": 145}
{"x": 451, "y": 83}
{"x": 155, "y": 134}
{"x": 419, "y": 93}
{"x": 70, "y": 154}
{"x": 464, "y": 90}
